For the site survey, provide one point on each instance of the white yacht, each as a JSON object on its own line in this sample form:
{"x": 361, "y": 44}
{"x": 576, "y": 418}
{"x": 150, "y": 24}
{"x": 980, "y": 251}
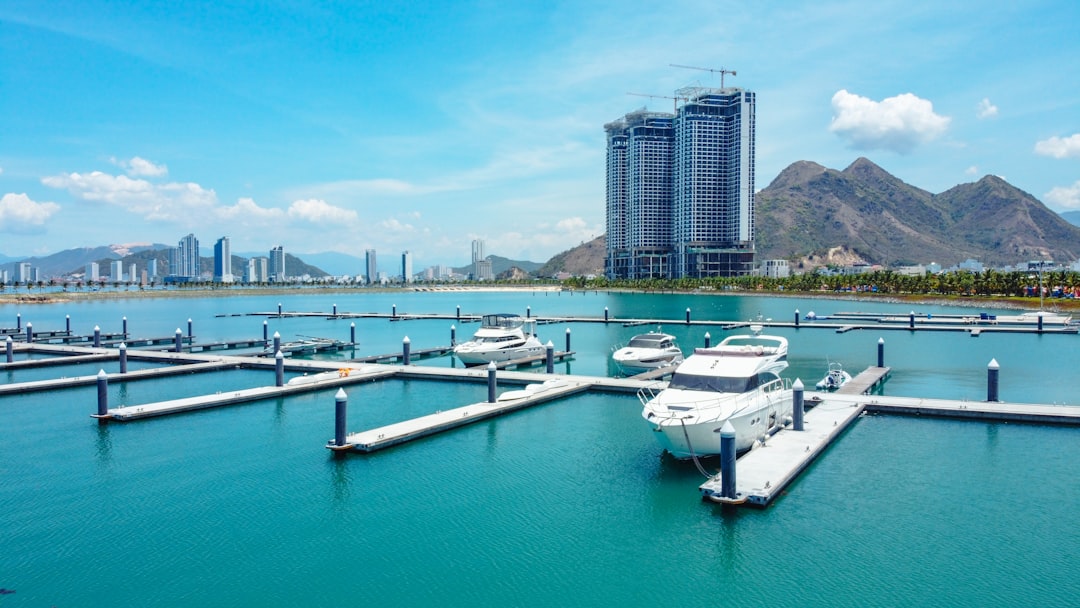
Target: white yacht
{"x": 736, "y": 380}
{"x": 648, "y": 351}
{"x": 501, "y": 337}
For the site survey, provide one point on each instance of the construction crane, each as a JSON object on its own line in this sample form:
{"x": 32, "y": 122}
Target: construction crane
{"x": 721, "y": 71}
{"x": 675, "y": 103}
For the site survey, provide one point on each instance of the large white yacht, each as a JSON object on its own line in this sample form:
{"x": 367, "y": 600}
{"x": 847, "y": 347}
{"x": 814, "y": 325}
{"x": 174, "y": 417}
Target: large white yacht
{"x": 501, "y": 337}
{"x": 648, "y": 351}
{"x": 736, "y": 380}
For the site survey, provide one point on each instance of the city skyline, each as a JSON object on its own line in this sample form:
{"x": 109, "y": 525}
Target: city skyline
{"x": 423, "y": 128}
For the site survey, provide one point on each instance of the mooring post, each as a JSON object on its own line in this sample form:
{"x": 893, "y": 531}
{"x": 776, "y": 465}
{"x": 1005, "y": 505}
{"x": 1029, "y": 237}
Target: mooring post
{"x": 393, "y": 311}
{"x": 67, "y": 324}
{"x": 102, "y": 394}
{"x": 881, "y": 352}
{"x": 797, "y": 405}
{"x": 687, "y": 316}
{"x": 727, "y": 460}
{"x": 123, "y": 358}
{"x": 189, "y": 334}
{"x": 277, "y": 342}
{"x": 491, "y": 381}
{"x": 335, "y": 310}
{"x": 708, "y": 340}
{"x": 18, "y": 321}
{"x": 179, "y": 345}
{"x": 567, "y": 339}
{"x": 266, "y": 328}
{"x": 911, "y": 320}
{"x": 279, "y": 368}
{"x": 352, "y": 333}
{"x": 97, "y": 337}
{"x": 1039, "y": 315}
{"x": 279, "y": 309}
{"x": 528, "y": 312}
{"x": 605, "y": 314}
{"x": 453, "y": 335}
{"x": 341, "y": 404}
{"x": 992, "y": 371}
{"x": 123, "y": 329}
{"x": 796, "y": 318}
{"x": 549, "y": 357}
{"x": 459, "y": 314}
{"x": 29, "y": 333}
{"x": 9, "y": 348}
{"x": 406, "y": 347}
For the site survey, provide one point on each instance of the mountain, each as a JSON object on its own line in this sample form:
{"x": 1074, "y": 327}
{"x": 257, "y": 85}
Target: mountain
{"x": 63, "y": 262}
{"x": 501, "y": 266}
{"x": 583, "y": 260}
{"x": 809, "y": 210}
{"x": 337, "y": 264}
{"x": 1073, "y": 217}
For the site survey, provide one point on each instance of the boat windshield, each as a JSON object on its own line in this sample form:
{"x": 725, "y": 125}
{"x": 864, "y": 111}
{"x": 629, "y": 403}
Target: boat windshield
{"x": 642, "y": 342}
{"x": 718, "y": 384}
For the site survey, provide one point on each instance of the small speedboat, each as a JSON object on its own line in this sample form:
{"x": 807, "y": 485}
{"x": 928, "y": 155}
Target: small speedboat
{"x": 834, "y": 378}
{"x": 648, "y": 351}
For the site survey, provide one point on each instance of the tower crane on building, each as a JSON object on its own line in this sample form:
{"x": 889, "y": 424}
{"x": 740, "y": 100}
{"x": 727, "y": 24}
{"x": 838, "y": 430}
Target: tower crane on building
{"x": 675, "y": 103}
{"x": 720, "y": 71}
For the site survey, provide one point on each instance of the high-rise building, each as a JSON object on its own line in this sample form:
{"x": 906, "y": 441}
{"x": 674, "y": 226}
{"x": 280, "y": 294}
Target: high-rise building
{"x": 152, "y": 269}
{"x": 24, "y": 272}
{"x": 116, "y": 271}
{"x": 277, "y": 264}
{"x": 132, "y": 275}
{"x": 481, "y": 266}
{"x": 93, "y": 272}
{"x": 680, "y": 188}
{"x": 184, "y": 260}
{"x": 406, "y": 267}
{"x": 371, "y": 266}
{"x": 222, "y": 261}
{"x": 256, "y": 270}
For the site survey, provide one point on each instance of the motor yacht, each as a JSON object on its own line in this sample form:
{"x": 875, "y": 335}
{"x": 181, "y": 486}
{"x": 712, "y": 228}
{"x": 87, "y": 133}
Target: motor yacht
{"x": 501, "y": 337}
{"x": 648, "y": 351}
{"x": 736, "y": 380}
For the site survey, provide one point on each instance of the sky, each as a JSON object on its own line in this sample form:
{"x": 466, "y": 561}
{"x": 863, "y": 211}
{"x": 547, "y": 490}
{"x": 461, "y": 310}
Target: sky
{"x": 420, "y": 126}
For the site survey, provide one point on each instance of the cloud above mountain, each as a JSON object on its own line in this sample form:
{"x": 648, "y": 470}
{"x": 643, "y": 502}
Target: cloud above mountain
{"x": 21, "y": 215}
{"x": 1059, "y": 147}
{"x": 897, "y": 124}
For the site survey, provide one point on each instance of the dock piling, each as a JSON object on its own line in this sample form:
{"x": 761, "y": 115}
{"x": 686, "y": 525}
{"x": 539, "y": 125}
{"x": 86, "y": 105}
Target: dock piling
{"x": 605, "y": 317}
{"x": 727, "y": 460}
{"x": 279, "y": 369}
{"x": 796, "y": 318}
{"x": 341, "y": 403}
{"x": 279, "y": 309}
{"x": 123, "y": 323}
{"x": 797, "y": 404}
{"x": 911, "y": 320}
{"x": 266, "y": 328}
{"x": 453, "y": 336}
{"x": 97, "y": 336}
{"x": 123, "y": 358}
{"x": 567, "y": 339}
{"x": 335, "y": 310}
{"x": 102, "y": 394}
{"x": 18, "y": 321}
{"x": 687, "y": 316}
{"x": 459, "y": 314}
{"x": 179, "y": 344}
{"x": 393, "y": 311}
{"x": 549, "y": 357}
{"x": 9, "y": 348}
{"x": 528, "y": 312}
{"x": 1040, "y": 321}
{"x": 67, "y": 324}
{"x": 189, "y": 328}
{"x": 992, "y": 371}
{"x": 708, "y": 340}
{"x": 29, "y": 333}
{"x": 277, "y": 342}
{"x": 352, "y": 333}
{"x": 406, "y": 347}
{"x": 881, "y": 352}
{"x": 492, "y": 372}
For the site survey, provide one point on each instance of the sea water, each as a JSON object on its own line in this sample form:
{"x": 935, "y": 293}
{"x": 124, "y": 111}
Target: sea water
{"x": 566, "y": 503}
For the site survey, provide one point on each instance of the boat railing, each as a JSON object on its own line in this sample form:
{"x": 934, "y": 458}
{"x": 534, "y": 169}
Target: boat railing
{"x": 741, "y": 400}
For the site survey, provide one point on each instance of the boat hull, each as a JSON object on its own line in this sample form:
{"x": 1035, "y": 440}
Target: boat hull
{"x": 477, "y": 357}
{"x": 699, "y": 435}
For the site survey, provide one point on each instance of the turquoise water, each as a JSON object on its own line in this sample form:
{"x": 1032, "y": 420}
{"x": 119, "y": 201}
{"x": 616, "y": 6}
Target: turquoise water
{"x": 567, "y": 503}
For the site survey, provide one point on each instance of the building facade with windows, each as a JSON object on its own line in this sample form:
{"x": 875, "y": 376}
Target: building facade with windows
{"x": 223, "y": 261}
{"x": 680, "y": 188}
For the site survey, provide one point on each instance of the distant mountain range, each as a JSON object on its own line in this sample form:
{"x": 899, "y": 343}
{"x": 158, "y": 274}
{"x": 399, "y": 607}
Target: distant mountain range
{"x": 810, "y": 215}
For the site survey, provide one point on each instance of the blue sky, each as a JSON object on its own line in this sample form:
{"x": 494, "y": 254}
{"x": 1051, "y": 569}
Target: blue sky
{"x": 343, "y": 126}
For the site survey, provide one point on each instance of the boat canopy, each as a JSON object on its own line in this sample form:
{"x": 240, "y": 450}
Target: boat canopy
{"x": 719, "y": 384}
{"x": 502, "y": 320}
{"x": 651, "y": 341}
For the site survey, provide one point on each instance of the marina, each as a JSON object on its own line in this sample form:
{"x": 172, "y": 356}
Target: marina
{"x": 570, "y": 473}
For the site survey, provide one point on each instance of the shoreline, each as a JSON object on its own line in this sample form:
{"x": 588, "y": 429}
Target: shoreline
{"x": 914, "y": 299}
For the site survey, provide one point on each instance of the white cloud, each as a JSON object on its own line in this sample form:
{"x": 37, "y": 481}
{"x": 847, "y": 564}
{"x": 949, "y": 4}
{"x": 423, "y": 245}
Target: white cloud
{"x": 1066, "y": 197}
{"x": 896, "y": 123}
{"x": 140, "y": 167}
{"x": 20, "y": 214}
{"x": 247, "y": 212}
{"x": 972, "y": 170}
{"x": 318, "y": 211}
{"x": 1059, "y": 147}
{"x": 985, "y": 109}
{"x": 167, "y": 202}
